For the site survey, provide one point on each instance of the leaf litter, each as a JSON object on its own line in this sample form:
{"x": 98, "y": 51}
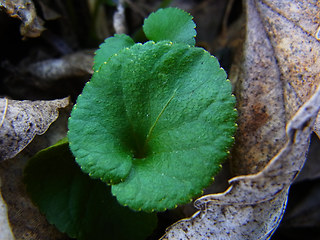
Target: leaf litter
{"x": 22, "y": 120}
{"x": 26, "y": 221}
{"x": 32, "y": 25}
{"x": 277, "y": 73}
{"x": 252, "y": 207}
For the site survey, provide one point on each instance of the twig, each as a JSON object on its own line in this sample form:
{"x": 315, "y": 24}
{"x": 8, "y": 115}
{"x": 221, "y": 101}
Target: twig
{"x": 4, "y": 112}
{"x": 119, "y": 19}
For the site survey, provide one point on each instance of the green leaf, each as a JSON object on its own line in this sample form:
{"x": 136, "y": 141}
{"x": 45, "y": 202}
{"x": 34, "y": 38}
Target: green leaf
{"x": 111, "y": 46}
{"x": 156, "y": 120}
{"x": 171, "y": 24}
{"x": 78, "y": 205}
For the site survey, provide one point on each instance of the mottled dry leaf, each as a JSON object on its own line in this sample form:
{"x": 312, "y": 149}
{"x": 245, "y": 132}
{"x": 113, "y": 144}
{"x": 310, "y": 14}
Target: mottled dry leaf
{"x": 20, "y": 121}
{"x": 279, "y": 71}
{"x": 253, "y": 205}
{"x": 5, "y": 231}
{"x": 32, "y": 25}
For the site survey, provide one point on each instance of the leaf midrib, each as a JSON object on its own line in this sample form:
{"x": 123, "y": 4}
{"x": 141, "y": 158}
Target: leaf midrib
{"x": 157, "y": 119}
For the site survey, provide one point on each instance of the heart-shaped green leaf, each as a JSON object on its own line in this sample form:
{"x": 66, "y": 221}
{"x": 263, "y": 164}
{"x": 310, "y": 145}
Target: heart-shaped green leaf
{"x": 170, "y": 24}
{"x": 156, "y": 121}
{"x": 78, "y": 205}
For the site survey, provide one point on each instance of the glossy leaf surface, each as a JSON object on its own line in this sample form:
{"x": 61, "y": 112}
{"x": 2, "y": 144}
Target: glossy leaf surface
{"x": 156, "y": 121}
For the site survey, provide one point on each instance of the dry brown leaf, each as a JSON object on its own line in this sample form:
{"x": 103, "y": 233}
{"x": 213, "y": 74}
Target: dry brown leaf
{"x": 253, "y": 205}
{"x": 26, "y": 221}
{"x": 32, "y": 25}
{"x": 279, "y": 71}
{"x": 20, "y": 121}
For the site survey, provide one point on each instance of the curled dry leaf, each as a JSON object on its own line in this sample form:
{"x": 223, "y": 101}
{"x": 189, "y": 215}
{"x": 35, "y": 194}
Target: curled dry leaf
{"x": 279, "y": 70}
{"x": 72, "y": 65}
{"x": 32, "y": 25}
{"x": 253, "y": 205}
{"x": 20, "y": 121}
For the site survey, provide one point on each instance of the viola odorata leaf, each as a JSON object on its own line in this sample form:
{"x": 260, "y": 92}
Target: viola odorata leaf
{"x": 78, "y": 205}
{"x": 170, "y": 24}
{"x": 156, "y": 121}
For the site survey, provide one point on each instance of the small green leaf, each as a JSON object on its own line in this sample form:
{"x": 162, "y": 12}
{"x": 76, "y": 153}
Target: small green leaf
{"x": 156, "y": 121}
{"x": 78, "y": 205}
{"x": 111, "y": 46}
{"x": 170, "y": 24}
